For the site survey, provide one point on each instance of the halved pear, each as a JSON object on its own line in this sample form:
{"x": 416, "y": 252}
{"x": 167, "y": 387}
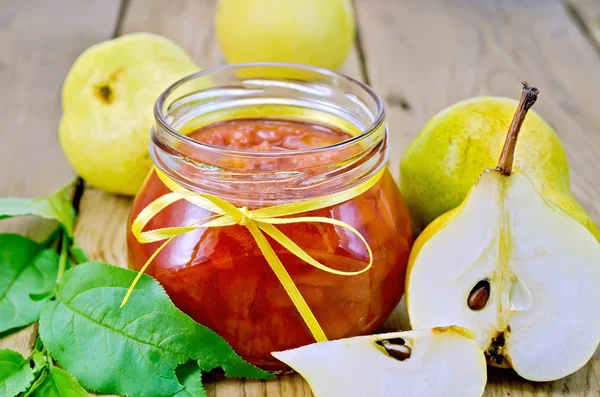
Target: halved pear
{"x": 438, "y": 362}
{"x": 107, "y": 100}
{"x": 518, "y": 271}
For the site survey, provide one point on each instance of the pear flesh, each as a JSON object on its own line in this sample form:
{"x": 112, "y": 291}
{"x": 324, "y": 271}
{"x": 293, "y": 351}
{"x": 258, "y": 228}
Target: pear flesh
{"x": 443, "y": 362}
{"x": 542, "y": 313}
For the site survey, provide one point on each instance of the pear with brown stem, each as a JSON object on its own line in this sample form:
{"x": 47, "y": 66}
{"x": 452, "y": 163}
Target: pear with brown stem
{"x": 518, "y": 271}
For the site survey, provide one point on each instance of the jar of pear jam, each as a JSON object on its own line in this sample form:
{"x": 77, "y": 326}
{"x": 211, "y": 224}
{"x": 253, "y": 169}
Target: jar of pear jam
{"x": 259, "y": 135}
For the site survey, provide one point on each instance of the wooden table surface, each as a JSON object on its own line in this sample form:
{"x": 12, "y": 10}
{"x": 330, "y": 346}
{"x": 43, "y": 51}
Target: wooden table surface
{"x": 421, "y": 56}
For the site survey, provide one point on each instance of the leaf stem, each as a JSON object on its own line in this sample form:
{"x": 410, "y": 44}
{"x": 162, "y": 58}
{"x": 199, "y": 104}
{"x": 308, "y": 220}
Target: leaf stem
{"x": 528, "y": 98}
{"x": 49, "y": 358}
{"x": 37, "y": 383}
{"x": 30, "y": 357}
{"x": 64, "y": 254}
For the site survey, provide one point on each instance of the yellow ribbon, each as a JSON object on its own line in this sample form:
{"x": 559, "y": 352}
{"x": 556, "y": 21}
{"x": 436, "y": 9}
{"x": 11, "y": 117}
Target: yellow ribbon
{"x": 258, "y": 222}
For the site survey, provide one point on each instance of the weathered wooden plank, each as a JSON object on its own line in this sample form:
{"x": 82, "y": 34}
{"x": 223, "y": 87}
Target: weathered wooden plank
{"x": 187, "y": 22}
{"x": 424, "y": 56}
{"x": 445, "y": 52}
{"x": 39, "y": 40}
{"x": 190, "y": 23}
{"x": 587, "y": 14}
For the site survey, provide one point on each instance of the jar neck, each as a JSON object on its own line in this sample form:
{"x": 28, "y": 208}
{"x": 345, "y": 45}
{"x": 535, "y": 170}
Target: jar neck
{"x": 257, "y": 179}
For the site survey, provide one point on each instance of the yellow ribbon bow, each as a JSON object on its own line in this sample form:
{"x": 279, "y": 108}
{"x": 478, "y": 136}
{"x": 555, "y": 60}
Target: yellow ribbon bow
{"x": 258, "y": 222}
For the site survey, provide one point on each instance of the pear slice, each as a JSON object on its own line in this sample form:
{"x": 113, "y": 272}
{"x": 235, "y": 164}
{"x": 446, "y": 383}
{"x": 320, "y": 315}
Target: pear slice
{"x": 518, "y": 271}
{"x": 438, "y": 362}
{"x": 107, "y": 100}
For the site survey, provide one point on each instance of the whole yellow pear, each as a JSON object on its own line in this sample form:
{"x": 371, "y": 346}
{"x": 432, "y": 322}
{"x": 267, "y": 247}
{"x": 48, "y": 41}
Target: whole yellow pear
{"x": 107, "y": 101}
{"x": 445, "y": 159}
{"x": 313, "y": 32}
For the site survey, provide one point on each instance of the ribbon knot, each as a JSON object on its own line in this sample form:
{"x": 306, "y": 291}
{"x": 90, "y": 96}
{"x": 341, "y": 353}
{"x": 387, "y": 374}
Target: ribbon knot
{"x": 258, "y": 222}
{"x": 246, "y": 216}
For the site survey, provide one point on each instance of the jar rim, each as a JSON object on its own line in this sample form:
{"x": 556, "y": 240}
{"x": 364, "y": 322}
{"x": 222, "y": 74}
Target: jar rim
{"x": 378, "y": 120}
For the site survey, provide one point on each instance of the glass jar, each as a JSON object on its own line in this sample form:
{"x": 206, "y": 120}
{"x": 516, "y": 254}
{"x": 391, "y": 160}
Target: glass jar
{"x": 218, "y": 275}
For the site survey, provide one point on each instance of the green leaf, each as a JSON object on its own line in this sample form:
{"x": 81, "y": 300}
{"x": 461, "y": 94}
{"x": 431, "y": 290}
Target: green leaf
{"x": 40, "y": 370}
{"x": 57, "y": 206}
{"x": 39, "y": 361}
{"x": 27, "y": 270}
{"x": 41, "y": 378}
{"x": 190, "y": 377}
{"x": 132, "y": 350}
{"x": 78, "y": 255}
{"x": 39, "y": 344}
{"x": 59, "y": 383}
{"x": 40, "y": 296}
{"x": 15, "y": 373}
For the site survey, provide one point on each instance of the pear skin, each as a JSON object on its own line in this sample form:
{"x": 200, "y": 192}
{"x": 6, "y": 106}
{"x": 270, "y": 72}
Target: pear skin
{"x": 108, "y": 101}
{"x": 512, "y": 267}
{"x": 445, "y": 159}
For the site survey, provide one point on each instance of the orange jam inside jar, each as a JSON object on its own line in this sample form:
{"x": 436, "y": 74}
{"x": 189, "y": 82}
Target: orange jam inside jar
{"x": 257, "y": 142}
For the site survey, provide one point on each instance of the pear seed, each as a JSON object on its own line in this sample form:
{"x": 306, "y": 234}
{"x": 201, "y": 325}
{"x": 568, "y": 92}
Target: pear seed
{"x": 495, "y": 354}
{"x": 479, "y": 295}
{"x": 395, "y": 341}
{"x": 398, "y": 351}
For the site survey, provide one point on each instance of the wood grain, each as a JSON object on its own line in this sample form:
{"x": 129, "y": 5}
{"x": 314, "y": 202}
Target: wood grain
{"x": 447, "y": 51}
{"x": 420, "y": 56}
{"x": 190, "y": 24}
{"x": 587, "y": 14}
{"x": 39, "y": 40}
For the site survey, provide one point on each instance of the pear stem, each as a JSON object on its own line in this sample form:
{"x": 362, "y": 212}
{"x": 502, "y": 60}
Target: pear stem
{"x": 528, "y": 98}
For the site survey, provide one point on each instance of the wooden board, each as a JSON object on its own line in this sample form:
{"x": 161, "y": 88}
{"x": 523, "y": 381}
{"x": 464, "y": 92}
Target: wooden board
{"x": 39, "y": 40}
{"x": 420, "y": 56}
{"x": 586, "y": 13}
{"x": 37, "y": 47}
{"x": 444, "y": 52}
{"x": 467, "y": 48}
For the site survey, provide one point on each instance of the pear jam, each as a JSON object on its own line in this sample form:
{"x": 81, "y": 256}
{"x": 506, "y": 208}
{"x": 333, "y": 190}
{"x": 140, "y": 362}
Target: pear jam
{"x": 219, "y": 276}
{"x": 221, "y": 279}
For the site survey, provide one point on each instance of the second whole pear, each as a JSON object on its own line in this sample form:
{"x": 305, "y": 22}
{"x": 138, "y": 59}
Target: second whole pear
{"x": 445, "y": 159}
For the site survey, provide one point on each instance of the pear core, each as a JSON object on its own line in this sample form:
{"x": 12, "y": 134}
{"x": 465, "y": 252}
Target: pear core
{"x": 543, "y": 311}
